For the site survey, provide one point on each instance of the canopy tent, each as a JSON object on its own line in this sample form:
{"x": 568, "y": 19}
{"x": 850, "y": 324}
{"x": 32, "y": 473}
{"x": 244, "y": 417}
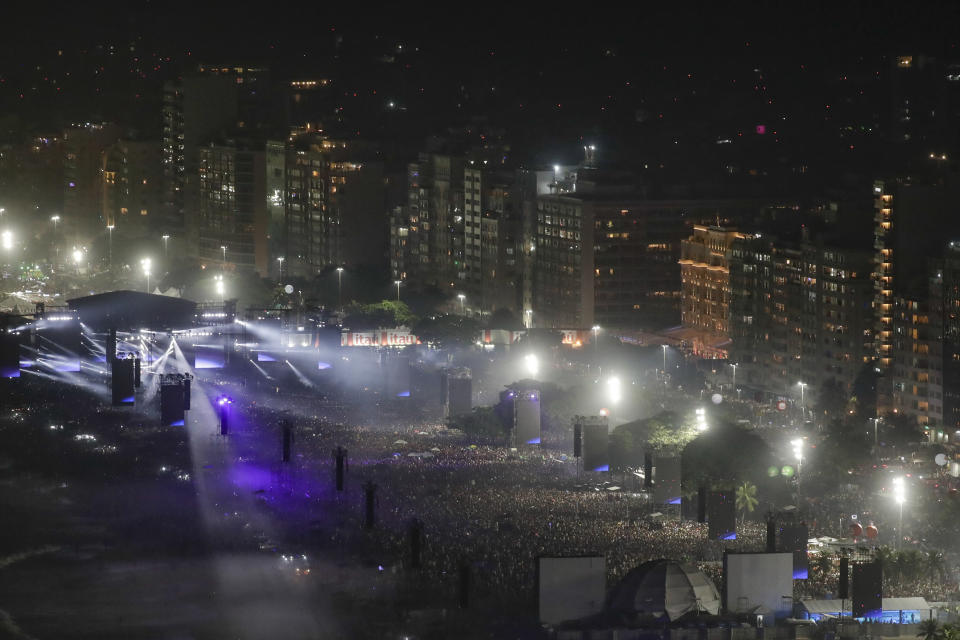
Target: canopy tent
{"x": 664, "y": 587}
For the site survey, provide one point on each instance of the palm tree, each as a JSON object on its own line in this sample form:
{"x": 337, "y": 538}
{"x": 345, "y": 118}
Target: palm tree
{"x": 950, "y": 632}
{"x": 912, "y": 565}
{"x": 886, "y": 557}
{"x": 929, "y": 630}
{"x": 746, "y": 499}
{"x": 935, "y": 565}
{"x": 824, "y": 565}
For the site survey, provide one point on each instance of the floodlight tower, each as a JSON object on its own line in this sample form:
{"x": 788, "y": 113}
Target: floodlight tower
{"x": 532, "y": 364}
{"x": 340, "y": 289}
{"x": 900, "y": 495}
{"x": 110, "y": 246}
{"x": 146, "y": 263}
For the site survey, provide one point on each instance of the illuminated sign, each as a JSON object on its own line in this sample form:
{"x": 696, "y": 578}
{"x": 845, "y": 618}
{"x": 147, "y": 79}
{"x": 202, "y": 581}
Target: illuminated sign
{"x": 575, "y": 337}
{"x": 381, "y": 338}
{"x": 500, "y": 336}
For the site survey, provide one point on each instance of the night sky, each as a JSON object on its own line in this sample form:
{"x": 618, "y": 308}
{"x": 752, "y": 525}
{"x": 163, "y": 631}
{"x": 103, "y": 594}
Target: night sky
{"x": 637, "y": 81}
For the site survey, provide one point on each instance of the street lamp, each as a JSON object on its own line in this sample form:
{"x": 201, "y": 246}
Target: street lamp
{"x": 397, "y": 282}
{"x": 224, "y": 249}
{"x": 876, "y": 442}
{"x": 219, "y": 285}
{"x": 529, "y": 314}
{"x": 340, "y": 289}
{"x": 664, "y": 359}
{"x": 802, "y": 385}
{"x": 900, "y": 495}
{"x": 596, "y": 330}
{"x": 55, "y": 219}
{"x": 462, "y": 297}
{"x": 145, "y": 263}
{"x": 165, "y": 238}
{"x": 110, "y": 246}
{"x": 280, "y": 260}
{"x": 734, "y": 366}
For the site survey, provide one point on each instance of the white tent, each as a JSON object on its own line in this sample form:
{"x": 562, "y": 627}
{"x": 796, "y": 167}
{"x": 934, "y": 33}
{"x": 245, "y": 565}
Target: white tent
{"x": 665, "y": 587}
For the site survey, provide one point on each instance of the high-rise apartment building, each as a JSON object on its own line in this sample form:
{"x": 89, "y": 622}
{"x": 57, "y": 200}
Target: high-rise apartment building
{"x": 632, "y": 251}
{"x": 948, "y": 279}
{"x": 800, "y": 313}
{"x": 31, "y": 173}
{"x": 636, "y": 271}
{"x": 308, "y": 101}
{"x": 131, "y": 181}
{"x": 334, "y": 205}
{"x": 884, "y": 299}
{"x": 493, "y": 240}
{"x": 563, "y": 263}
{"x": 608, "y": 259}
{"x": 83, "y": 148}
{"x": 475, "y": 203}
{"x": 276, "y": 185}
{"x": 464, "y": 228}
{"x": 434, "y": 220}
{"x": 203, "y": 106}
{"x": 910, "y": 339}
{"x": 232, "y": 218}
{"x": 916, "y": 375}
{"x": 705, "y": 279}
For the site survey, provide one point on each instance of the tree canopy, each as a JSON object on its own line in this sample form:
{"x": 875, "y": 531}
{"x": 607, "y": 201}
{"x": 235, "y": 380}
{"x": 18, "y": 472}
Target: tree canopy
{"x": 447, "y": 330}
{"x": 725, "y": 455}
{"x": 482, "y": 424}
{"x": 900, "y": 430}
{"x": 504, "y": 319}
{"x": 831, "y": 398}
{"x": 666, "y": 432}
{"x": 383, "y": 314}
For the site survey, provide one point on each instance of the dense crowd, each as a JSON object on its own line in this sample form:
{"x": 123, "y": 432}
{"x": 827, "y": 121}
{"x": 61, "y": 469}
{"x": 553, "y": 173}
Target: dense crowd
{"x": 500, "y": 509}
{"x": 493, "y": 508}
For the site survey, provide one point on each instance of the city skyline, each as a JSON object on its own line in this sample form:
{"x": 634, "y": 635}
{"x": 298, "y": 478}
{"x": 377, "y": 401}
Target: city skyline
{"x": 481, "y": 321}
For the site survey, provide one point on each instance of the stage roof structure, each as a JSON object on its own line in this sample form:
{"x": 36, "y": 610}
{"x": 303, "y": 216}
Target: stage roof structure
{"x": 134, "y": 310}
